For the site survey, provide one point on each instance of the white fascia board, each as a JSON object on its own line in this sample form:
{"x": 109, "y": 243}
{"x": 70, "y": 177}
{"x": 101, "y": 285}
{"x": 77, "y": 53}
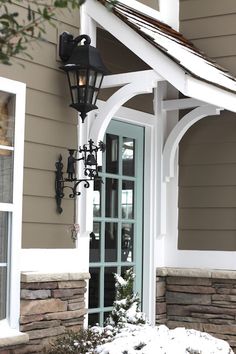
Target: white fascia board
{"x": 126, "y": 78}
{"x": 210, "y": 94}
{"x": 158, "y": 61}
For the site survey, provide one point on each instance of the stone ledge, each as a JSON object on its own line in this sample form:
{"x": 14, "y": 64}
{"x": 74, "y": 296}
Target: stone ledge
{"x": 34, "y": 277}
{"x": 196, "y": 273}
{"x": 13, "y": 337}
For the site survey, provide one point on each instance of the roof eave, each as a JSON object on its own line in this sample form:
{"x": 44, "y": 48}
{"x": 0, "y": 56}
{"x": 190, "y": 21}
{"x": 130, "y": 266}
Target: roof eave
{"x": 170, "y": 70}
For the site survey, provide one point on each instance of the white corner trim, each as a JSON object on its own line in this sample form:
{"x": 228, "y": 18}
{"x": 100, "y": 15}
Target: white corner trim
{"x": 169, "y": 10}
{"x": 147, "y": 10}
{"x": 112, "y": 105}
{"x": 178, "y": 132}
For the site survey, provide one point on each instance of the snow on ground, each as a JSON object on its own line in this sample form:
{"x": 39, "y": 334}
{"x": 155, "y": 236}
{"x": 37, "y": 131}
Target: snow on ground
{"x": 144, "y": 339}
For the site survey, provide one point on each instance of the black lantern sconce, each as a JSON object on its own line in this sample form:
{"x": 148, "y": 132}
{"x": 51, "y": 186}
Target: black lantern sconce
{"x": 85, "y": 70}
{"x": 71, "y": 182}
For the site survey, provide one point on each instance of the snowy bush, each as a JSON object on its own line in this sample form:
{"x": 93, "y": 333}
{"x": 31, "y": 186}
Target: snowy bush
{"x": 126, "y": 307}
{"x": 83, "y": 342}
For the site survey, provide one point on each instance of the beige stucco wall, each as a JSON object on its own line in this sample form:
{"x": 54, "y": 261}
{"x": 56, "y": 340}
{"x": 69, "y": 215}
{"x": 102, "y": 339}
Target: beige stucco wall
{"x": 207, "y": 177}
{"x": 50, "y": 129}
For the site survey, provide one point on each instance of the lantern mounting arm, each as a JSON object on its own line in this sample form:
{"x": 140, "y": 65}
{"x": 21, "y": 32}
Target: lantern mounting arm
{"x": 67, "y": 43}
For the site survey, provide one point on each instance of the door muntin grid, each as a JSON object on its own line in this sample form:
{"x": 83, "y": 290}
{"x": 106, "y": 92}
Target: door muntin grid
{"x": 116, "y": 241}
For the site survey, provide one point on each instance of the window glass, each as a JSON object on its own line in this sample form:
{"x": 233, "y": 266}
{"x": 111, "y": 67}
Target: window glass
{"x": 6, "y": 176}
{"x": 3, "y": 291}
{"x": 7, "y": 113}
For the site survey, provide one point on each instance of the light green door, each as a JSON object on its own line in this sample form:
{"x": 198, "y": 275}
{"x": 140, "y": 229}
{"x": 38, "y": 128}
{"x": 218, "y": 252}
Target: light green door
{"x": 116, "y": 241}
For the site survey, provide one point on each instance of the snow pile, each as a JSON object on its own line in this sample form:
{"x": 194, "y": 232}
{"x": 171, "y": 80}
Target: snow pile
{"x": 144, "y": 339}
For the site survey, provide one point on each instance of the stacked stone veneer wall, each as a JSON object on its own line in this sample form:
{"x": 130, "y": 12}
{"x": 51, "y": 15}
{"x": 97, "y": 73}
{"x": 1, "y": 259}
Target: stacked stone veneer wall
{"x": 50, "y": 305}
{"x": 199, "y": 299}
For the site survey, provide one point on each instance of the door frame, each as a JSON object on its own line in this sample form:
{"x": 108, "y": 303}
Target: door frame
{"x": 151, "y": 215}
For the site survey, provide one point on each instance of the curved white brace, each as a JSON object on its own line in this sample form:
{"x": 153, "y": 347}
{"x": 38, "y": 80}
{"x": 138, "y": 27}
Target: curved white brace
{"x": 178, "y": 132}
{"x": 111, "y": 106}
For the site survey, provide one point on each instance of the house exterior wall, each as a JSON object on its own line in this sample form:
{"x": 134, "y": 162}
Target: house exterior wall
{"x": 207, "y": 163}
{"x": 50, "y": 129}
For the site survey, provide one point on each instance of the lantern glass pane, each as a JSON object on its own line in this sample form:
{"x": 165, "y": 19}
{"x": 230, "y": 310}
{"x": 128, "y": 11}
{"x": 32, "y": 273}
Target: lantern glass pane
{"x": 82, "y": 77}
{"x": 72, "y": 76}
{"x": 95, "y": 95}
{"x": 90, "y": 93}
{"x": 92, "y": 78}
{"x": 98, "y": 80}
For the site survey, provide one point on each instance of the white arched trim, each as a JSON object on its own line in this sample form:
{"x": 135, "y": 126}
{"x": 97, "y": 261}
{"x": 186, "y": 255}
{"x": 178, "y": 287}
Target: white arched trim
{"x": 178, "y": 132}
{"x": 112, "y": 105}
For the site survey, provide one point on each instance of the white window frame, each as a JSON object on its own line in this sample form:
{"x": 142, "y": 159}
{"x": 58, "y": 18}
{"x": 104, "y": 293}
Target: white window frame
{"x": 11, "y": 323}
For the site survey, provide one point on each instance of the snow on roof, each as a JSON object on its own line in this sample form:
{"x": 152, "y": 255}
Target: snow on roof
{"x": 173, "y": 44}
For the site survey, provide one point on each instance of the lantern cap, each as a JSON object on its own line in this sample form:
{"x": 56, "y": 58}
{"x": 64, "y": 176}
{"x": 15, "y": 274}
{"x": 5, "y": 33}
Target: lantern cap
{"x": 77, "y": 56}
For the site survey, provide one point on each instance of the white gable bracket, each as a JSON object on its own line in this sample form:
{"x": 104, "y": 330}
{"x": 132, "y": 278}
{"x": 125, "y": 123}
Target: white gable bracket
{"x": 178, "y": 132}
{"x": 111, "y": 106}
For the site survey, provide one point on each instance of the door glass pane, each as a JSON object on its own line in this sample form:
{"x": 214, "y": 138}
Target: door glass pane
{"x": 97, "y": 199}
{"x": 124, "y": 270}
{"x": 127, "y": 236}
{"x": 3, "y": 292}
{"x": 6, "y": 176}
{"x": 112, "y": 153}
{"x": 94, "y": 284}
{"x": 111, "y": 197}
{"x": 7, "y": 114}
{"x": 95, "y": 242}
{"x": 93, "y": 319}
{"x": 128, "y": 156}
{"x": 110, "y": 242}
{"x": 109, "y": 286}
{"x": 127, "y": 199}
